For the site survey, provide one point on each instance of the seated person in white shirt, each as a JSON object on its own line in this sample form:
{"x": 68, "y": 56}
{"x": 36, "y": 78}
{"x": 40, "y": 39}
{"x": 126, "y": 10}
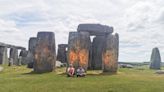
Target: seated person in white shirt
{"x": 80, "y": 72}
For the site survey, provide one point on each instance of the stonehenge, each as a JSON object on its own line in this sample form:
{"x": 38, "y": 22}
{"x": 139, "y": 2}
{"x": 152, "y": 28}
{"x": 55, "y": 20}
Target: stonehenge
{"x": 45, "y": 52}
{"x": 155, "y": 61}
{"x": 98, "y": 53}
{"x": 102, "y": 53}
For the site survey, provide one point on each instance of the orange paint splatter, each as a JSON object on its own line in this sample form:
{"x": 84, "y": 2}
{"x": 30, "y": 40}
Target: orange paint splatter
{"x": 72, "y": 57}
{"x": 83, "y": 57}
{"x": 80, "y": 57}
{"x": 106, "y": 57}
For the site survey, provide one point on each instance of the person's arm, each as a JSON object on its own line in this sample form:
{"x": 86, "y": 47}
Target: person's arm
{"x": 68, "y": 70}
{"x": 83, "y": 71}
{"x": 73, "y": 71}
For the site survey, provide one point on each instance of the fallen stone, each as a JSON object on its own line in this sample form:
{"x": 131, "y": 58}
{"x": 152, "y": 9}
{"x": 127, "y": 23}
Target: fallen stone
{"x": 59, "y": 64}
{"x": 159, "y": 72}
{"x": 126, "y": 66}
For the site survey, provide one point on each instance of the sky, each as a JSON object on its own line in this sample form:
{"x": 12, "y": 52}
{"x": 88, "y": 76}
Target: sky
{"x": 139, "y": 23}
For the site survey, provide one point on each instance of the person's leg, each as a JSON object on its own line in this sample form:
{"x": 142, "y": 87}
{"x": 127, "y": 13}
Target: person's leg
{"x": 77, "y": 74}
{"x": 68, "y": 75}
{"x": 82, "y": 75}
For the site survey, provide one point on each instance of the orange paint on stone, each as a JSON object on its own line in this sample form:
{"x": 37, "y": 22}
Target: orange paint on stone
{"x": 83, "y": 57}
{"x": 108, "y": 58}
{"x": 73, "y": 57}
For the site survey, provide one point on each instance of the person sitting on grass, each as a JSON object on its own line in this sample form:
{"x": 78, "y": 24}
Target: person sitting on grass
{"x": 70, "y": 71}
{"x": 80, "y": 72}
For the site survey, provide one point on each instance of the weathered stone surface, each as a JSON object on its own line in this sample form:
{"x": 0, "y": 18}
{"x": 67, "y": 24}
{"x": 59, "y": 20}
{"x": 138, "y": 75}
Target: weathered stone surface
{"x": 31, "y": 50}
{"x": 97, "y": 48}
{"x": 3, "y": 55}
{"x": 155, "y": 59}
{"x": 90, "y": 57}
{"x": 116, "y": 46}
{"x": 110, "y": 53}
{"x": 14, "y": 55}
{"x": 78, "y": 49}
{"x": 23, "y": 57}
{"x": 62, "y": 53}
{"x": 45, "y": 53}
{"x": 95, "y": 29}
{"x": 32, "y": 44}
{"x": 30, "y": 59}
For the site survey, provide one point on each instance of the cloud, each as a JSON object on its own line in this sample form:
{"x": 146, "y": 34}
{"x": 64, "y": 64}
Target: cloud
{"x": 140, "y": 23}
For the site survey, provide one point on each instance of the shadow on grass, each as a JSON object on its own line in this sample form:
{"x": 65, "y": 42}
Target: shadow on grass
{"x": 102, "y": 74}
{"x": 93, "y": 74}
{"x": 35, "y": 73}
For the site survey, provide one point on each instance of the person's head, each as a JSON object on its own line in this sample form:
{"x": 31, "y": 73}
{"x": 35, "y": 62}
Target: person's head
{"x": 80, "y": 67}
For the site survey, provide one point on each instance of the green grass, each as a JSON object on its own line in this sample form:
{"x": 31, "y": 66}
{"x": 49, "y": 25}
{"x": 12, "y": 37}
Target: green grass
{"x": 20, "y": 79}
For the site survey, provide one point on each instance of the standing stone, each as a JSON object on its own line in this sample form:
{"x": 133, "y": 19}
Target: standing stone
{"x": 117, "y": 47}
{"x": 110, "y": 53}
{"x": 3, "y": 55}
{"x": 14, "y": 55}
{"x": 30, "y": 54}
{"x": 155, "y": 59}
{"x": 62, "y": 53}
{"x": 45, "y": 53}
{"x": 23, "y": 57}
{"x": 97, "y": 48}
{"x": 32, "y": 44}
{"x": 78, "y": 49}
{"x": 30, "y": 60}
{"x": 90, "y": 57}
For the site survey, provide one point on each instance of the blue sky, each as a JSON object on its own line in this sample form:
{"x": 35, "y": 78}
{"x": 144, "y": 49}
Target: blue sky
{"x": 140, "y": 23}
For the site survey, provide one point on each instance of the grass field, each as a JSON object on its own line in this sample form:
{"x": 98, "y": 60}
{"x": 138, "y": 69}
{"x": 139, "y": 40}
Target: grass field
{"x": 20, "y": 79}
